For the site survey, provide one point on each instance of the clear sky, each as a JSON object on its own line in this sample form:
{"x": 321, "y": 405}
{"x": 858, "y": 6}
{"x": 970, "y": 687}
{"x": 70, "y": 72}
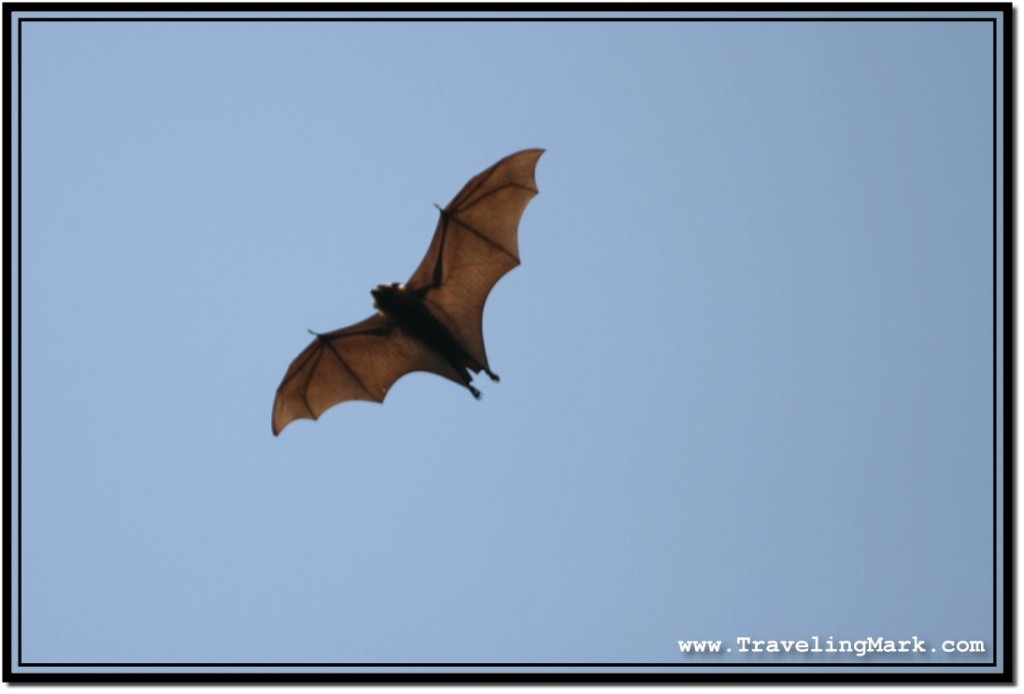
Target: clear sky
{"x": 747, "y": 371}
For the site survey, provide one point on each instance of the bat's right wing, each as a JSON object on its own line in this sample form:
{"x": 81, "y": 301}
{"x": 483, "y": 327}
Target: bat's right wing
{"x": 360, "y": 362}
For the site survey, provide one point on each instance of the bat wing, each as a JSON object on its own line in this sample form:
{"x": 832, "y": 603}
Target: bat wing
{"x": 476, "y": 242}
{"x": 360, "y": 362}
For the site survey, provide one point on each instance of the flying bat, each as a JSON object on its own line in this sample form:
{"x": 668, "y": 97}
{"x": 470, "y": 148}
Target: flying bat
{"x": 433, "y": 322}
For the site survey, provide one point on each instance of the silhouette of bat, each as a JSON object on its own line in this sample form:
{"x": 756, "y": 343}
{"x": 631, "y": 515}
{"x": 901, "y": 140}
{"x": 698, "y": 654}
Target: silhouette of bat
{"x": 434, "y": 322}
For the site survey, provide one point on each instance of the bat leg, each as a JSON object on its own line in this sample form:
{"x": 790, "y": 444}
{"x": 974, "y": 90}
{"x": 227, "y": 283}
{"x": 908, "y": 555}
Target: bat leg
{"x": 467, "y": 380}
{"x": 494, "y": 377}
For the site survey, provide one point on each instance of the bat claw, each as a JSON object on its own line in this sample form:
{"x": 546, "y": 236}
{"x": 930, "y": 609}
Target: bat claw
{"x": 476, "y": 393}
{"x": 494, "y": 377}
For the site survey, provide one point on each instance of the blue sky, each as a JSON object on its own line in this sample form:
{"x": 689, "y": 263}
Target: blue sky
{"x": 746, "y": 362}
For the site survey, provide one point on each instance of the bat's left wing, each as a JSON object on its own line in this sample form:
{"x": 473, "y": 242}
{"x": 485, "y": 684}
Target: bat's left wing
{"x": 476, "y": 242}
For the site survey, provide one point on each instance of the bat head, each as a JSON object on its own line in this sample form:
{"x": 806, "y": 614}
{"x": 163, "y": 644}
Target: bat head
{"x": 384, "y": 295}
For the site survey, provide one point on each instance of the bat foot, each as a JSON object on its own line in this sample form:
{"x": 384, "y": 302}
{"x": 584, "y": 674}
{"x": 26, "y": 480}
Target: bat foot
{"x": 494, "y": 377}
{"x": 475, "y": 392}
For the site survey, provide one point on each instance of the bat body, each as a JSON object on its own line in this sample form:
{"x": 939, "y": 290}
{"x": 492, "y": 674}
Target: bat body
{"x": 407, "y": 310}
{"x": 433, "y": 322}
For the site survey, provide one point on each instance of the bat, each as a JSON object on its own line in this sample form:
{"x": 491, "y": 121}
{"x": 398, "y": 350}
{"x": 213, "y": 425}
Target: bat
{"x": 433, "y": 322}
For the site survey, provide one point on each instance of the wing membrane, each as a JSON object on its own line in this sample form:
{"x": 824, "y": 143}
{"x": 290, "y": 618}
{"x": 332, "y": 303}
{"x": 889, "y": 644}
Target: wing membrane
{"x": 360, "y": 362}
{"x": 476, "y": 242}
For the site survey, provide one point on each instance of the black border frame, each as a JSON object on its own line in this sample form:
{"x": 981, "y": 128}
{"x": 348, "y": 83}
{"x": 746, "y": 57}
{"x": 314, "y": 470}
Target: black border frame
{"x": 567, "y": 12}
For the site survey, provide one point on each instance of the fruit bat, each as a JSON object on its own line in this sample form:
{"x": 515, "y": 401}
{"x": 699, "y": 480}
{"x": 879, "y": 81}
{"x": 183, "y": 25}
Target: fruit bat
{"x": 433, "y": 322}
